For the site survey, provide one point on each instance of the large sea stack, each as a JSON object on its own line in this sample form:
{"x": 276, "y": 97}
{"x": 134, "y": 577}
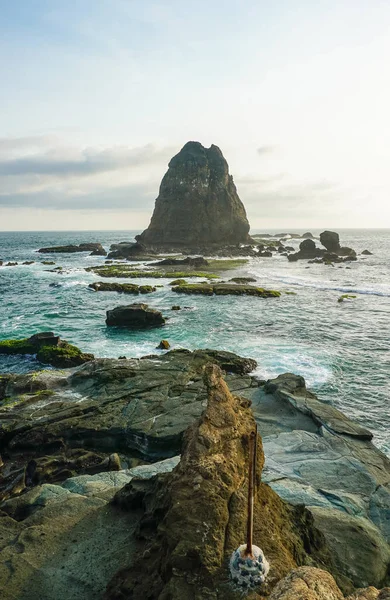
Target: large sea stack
{"x": 198, "y": 204}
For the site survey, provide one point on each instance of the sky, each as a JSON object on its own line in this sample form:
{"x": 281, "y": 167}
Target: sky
{"x": 98, "y": 95}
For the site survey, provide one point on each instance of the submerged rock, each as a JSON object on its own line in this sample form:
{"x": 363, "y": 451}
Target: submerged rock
{"x": 163, "y": 345}
{"x": 134, "y": 316}
{"x": 367, "y": 253}
{"x": 198, "y": 204}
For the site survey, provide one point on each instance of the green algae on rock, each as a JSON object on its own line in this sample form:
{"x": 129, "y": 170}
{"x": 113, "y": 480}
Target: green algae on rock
{"x": 48, "y": 348}
{"x": 123, "y": 288}
{"x": 134, "y": 316}
{"x": 178, "y": 282}
{"x": 127, "y": 271}
{"x": 225, "y": 289}
{"x": 346, "y": 297}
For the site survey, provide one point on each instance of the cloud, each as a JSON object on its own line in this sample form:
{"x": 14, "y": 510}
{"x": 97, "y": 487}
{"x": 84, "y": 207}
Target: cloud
{"x": 65, "y": 162}
{"x": 43, "y": 174}
{"x": 279, "y": 196}
{"x": 261, "y": 150}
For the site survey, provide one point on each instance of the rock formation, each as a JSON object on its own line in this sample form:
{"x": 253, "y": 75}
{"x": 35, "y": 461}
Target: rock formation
{"x": 134, "y": 316}
{"x": 196, "y": 516}
{"x": 95, "y": 248}
{"x": 58, "y": 424}
{"x": 48, "y": 348}
{"x": 198, "y": 204}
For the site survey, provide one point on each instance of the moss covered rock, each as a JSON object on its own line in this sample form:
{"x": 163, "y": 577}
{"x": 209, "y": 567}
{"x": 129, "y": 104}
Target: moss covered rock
{"x": 122, "y": 288}
{"x": 225, "y": 289}
{"x": 48, "y": 348}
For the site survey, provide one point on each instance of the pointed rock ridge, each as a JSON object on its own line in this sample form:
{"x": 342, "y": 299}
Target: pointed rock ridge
{"x": 198, "y": 204}
{"x": 194, "y": 517}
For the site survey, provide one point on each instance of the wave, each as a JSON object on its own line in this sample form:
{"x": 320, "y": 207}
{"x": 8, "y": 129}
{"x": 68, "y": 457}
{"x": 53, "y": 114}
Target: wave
{"x": 326, "y": 287}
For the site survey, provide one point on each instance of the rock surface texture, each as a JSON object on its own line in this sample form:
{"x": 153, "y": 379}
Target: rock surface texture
{"x": 56, "y": 425}
{"x": 198, "y": 204}
{"x": 196, "y": 516}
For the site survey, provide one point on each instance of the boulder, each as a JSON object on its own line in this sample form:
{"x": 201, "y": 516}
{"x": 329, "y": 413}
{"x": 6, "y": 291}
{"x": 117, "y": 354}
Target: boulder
{"x": 331, "y": 241}
{"x": 99, "y": 251}
{"x": 163, "y": 345}
{"x": 198, "y": 204}
{"x": 130, "y": 251}
{"x": 307, "y": 583}
{"x": 345, "y": 251}
{"x": 308, "y": 235}
{"x": 134, "y": 316}
{"x": 307, "y": 250}
{"x": 308, "y": 246}
{"x": 367, "y": 253}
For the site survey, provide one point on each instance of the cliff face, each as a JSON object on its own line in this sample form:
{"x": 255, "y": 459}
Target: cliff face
{"x": 198, "y": 204}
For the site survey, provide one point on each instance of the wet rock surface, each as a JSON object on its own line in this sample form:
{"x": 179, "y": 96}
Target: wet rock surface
{"x": 57, "y": 424}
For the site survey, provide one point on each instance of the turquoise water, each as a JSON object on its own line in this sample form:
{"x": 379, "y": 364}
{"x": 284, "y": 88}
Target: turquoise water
{"x": 342, "y": 350}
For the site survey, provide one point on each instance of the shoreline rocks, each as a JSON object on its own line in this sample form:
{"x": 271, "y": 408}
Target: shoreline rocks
{"x": 314, "y": 456}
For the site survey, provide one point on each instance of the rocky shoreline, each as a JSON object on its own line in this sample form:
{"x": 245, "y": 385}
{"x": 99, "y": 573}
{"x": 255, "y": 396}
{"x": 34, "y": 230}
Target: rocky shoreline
{"x": 70, "y": 441}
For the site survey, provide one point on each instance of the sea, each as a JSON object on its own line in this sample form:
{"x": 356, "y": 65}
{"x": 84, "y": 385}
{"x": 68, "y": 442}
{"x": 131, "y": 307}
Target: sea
{"x": 340, "y": 348}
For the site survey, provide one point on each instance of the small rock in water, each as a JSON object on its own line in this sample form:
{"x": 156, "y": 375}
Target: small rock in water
{"x": 176, "y": 307}
{"x": 163, "y": 345}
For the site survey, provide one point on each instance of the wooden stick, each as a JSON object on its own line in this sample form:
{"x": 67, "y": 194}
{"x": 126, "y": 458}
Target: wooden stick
{"x": 251, "y": 482}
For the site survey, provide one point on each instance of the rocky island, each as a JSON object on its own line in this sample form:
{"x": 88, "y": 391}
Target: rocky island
{"x": 198, "y": 205}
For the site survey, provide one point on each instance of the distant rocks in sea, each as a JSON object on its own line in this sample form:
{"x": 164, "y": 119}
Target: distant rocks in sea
{"x": 122, "y": 288}
{"x": 334, "y": 253}
{"x": 225, "y": 289}
{"x": 96, "y": 249}
{"x": 198, "y": 204}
